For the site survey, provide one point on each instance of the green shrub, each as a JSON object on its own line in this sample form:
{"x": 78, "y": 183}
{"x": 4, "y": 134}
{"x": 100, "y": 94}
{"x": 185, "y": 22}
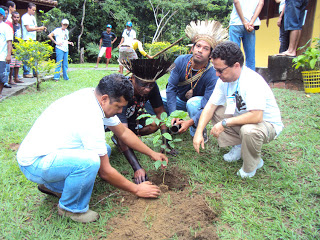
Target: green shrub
{"x": 92, "y": 51}
{"x": 170, "y": 55}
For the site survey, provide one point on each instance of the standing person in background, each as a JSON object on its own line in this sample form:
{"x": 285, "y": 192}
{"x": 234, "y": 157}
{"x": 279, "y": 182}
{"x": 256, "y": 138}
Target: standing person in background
{"x": 244, "y": 20}
{"x": 15, "y": 64}
{"x": 29, "y": 31}
{"x": 12, "y": 8}
{"x": 293, "y": 20}
{"x": 5, "y": 48}
{"x": 128, "y": 36}
{"x": 284, "y": 35}
{"x": 107, "y": 39}
{"x": 62, "y": 49}
{"x": 9, "y": 27}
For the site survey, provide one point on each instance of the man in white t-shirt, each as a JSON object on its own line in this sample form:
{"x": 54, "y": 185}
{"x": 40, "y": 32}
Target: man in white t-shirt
{"x": 124, "y": 46}
{"x": 66, "y": 147}
{"x": 62, "y": 49}
{"x": 29, "y": 31}
{"x": 244, "y": 19}
{"x": 243, "y": 110}
{"x": 6, "y": 37}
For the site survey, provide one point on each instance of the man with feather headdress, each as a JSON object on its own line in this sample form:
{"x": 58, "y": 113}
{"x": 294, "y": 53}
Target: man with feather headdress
{"x": 193, "y": 79}
{"x": 145, "y": 72}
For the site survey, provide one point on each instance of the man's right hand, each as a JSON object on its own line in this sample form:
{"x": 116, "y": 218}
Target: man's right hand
{"x": 147, "y": 190}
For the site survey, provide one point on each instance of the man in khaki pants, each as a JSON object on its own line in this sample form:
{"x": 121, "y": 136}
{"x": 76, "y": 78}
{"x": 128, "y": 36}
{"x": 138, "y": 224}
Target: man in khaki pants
{"x": 243, "y": 110}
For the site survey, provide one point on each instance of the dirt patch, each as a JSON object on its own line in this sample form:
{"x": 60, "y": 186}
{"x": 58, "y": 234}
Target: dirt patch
{"x": 14, "y": 146}
{"x": 179, "y": 213}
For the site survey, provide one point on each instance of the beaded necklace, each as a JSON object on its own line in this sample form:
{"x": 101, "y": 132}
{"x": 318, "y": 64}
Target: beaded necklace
{"x": 189, "y": 94}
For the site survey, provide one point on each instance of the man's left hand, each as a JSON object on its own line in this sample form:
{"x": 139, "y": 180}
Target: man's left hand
{"x": 217, "y": 129}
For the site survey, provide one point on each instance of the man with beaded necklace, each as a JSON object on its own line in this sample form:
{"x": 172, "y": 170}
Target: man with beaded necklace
{"x": 193, "y": 79}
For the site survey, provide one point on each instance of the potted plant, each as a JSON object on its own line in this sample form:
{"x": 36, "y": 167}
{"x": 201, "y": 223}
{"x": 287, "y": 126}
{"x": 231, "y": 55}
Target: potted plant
{"x": 309, "y": 61}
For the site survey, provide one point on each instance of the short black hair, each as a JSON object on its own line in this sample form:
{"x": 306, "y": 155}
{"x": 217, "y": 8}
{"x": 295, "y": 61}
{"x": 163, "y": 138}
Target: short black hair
{"x": 116, "y": 86}
{"x": 15, "y": 13}
{"x": 230, "y": 52}
{"x": 4, "y": 8}
{"x": 10, "y": 4}
{"x": 31, "y": 5}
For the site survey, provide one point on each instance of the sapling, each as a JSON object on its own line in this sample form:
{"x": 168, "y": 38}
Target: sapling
{"x": 166, "y": 136}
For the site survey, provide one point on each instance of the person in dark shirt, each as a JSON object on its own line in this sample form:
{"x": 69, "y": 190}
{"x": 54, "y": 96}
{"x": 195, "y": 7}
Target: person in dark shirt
{"x": 15, "y": 64}
{"x": 106, "y": 40}
{"x": 145, "y": 72}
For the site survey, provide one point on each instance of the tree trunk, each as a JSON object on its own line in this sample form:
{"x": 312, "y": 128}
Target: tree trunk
{"x": 82, "y": 27}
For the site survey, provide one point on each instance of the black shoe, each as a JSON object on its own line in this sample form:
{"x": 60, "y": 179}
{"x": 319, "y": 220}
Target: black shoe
{"x": 45, "y": 190}
{"x": 6, "y": 85}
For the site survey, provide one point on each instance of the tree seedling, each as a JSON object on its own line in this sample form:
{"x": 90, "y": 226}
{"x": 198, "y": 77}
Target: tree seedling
{"x": 157, "y": 141}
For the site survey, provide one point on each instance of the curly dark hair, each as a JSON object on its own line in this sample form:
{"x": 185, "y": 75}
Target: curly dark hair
{"x": 229, "y": 52}
{"x": 115, "y": 86}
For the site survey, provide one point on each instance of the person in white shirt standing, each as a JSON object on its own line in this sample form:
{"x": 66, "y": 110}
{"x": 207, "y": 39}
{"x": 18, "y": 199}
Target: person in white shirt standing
{"x": 244, "y": 20}
{"x": 6, "y": 38}
{"x": 128, "y": 36}
{"x": 62, "y": 48}
{"x": 29, "y": 31}
{"x": 243, "y": 110}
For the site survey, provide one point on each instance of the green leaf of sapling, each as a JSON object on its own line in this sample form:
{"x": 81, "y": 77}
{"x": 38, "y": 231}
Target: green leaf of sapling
{"x": 155, "y": 139}
{"x": 157, "y": 164}
{"x": 143, "y": 116}
{"x": 149, "y": 121}
{"x": 163, "y": 116}
{"x": 167, "y": 136}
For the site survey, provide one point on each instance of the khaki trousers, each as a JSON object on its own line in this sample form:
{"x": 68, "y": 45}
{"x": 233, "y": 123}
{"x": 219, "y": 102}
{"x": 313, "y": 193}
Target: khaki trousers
{"x": 250, "y": 136}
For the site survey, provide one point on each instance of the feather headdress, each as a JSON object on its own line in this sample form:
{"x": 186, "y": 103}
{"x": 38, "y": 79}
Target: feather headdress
{"x": 148, "y": 70}
{"x": 210, "y": 31}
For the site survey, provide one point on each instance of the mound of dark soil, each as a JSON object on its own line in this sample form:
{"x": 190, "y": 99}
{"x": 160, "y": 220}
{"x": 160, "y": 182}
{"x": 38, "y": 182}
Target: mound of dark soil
{"x": 178, "y": 213}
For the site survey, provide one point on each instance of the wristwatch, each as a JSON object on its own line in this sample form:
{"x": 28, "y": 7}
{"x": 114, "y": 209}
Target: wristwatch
{"x": 224, "y": 122}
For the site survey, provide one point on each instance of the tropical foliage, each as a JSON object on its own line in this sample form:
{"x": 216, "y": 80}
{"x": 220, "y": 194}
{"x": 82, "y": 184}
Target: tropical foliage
{"x": 153, "y": 20}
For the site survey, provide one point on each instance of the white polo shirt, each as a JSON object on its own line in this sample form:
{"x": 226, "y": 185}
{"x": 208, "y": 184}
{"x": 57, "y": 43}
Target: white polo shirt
{"x": 75, "y": 121}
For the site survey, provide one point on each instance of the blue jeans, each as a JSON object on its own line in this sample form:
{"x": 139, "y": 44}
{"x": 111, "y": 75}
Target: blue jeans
{"x": 2, "y": 71}
{"x": 192, "y": 106}
{"x": 71, "y": 172}
{"x": 61, "y": 58}
{"x": 238, "y": 33}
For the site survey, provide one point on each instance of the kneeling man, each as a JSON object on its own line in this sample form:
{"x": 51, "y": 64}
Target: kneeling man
{"x": 66, "y": 147}
{"x": 243, "y": 110}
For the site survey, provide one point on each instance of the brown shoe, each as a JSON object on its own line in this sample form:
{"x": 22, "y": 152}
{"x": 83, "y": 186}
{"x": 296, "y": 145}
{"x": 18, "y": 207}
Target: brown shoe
{"x": 27, "y": 75}
{"x": 18, "y": 81}
{"x": 45, "y": 190}
{"x": 89, "y": 216}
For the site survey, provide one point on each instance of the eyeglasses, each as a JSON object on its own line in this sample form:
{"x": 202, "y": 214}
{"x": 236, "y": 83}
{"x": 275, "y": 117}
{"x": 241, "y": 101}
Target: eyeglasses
{"x": 220, "y": 71}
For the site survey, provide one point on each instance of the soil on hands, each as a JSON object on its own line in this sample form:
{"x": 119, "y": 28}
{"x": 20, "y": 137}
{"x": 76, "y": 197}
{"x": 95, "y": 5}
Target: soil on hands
{"x": 179, "y": 213}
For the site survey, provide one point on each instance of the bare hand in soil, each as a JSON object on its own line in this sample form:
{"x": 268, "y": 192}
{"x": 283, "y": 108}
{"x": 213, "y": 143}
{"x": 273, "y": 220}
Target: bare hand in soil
{"x": 147, "y": 190}
{"x": 139, "y": 176}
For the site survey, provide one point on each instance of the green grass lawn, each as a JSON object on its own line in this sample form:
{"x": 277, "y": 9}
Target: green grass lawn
{"x": 280, "y": 202}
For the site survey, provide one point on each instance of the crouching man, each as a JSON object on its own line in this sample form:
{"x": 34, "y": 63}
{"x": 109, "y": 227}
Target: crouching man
{"x": 251, "y": 116}
{"x": 66, "y": 148}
